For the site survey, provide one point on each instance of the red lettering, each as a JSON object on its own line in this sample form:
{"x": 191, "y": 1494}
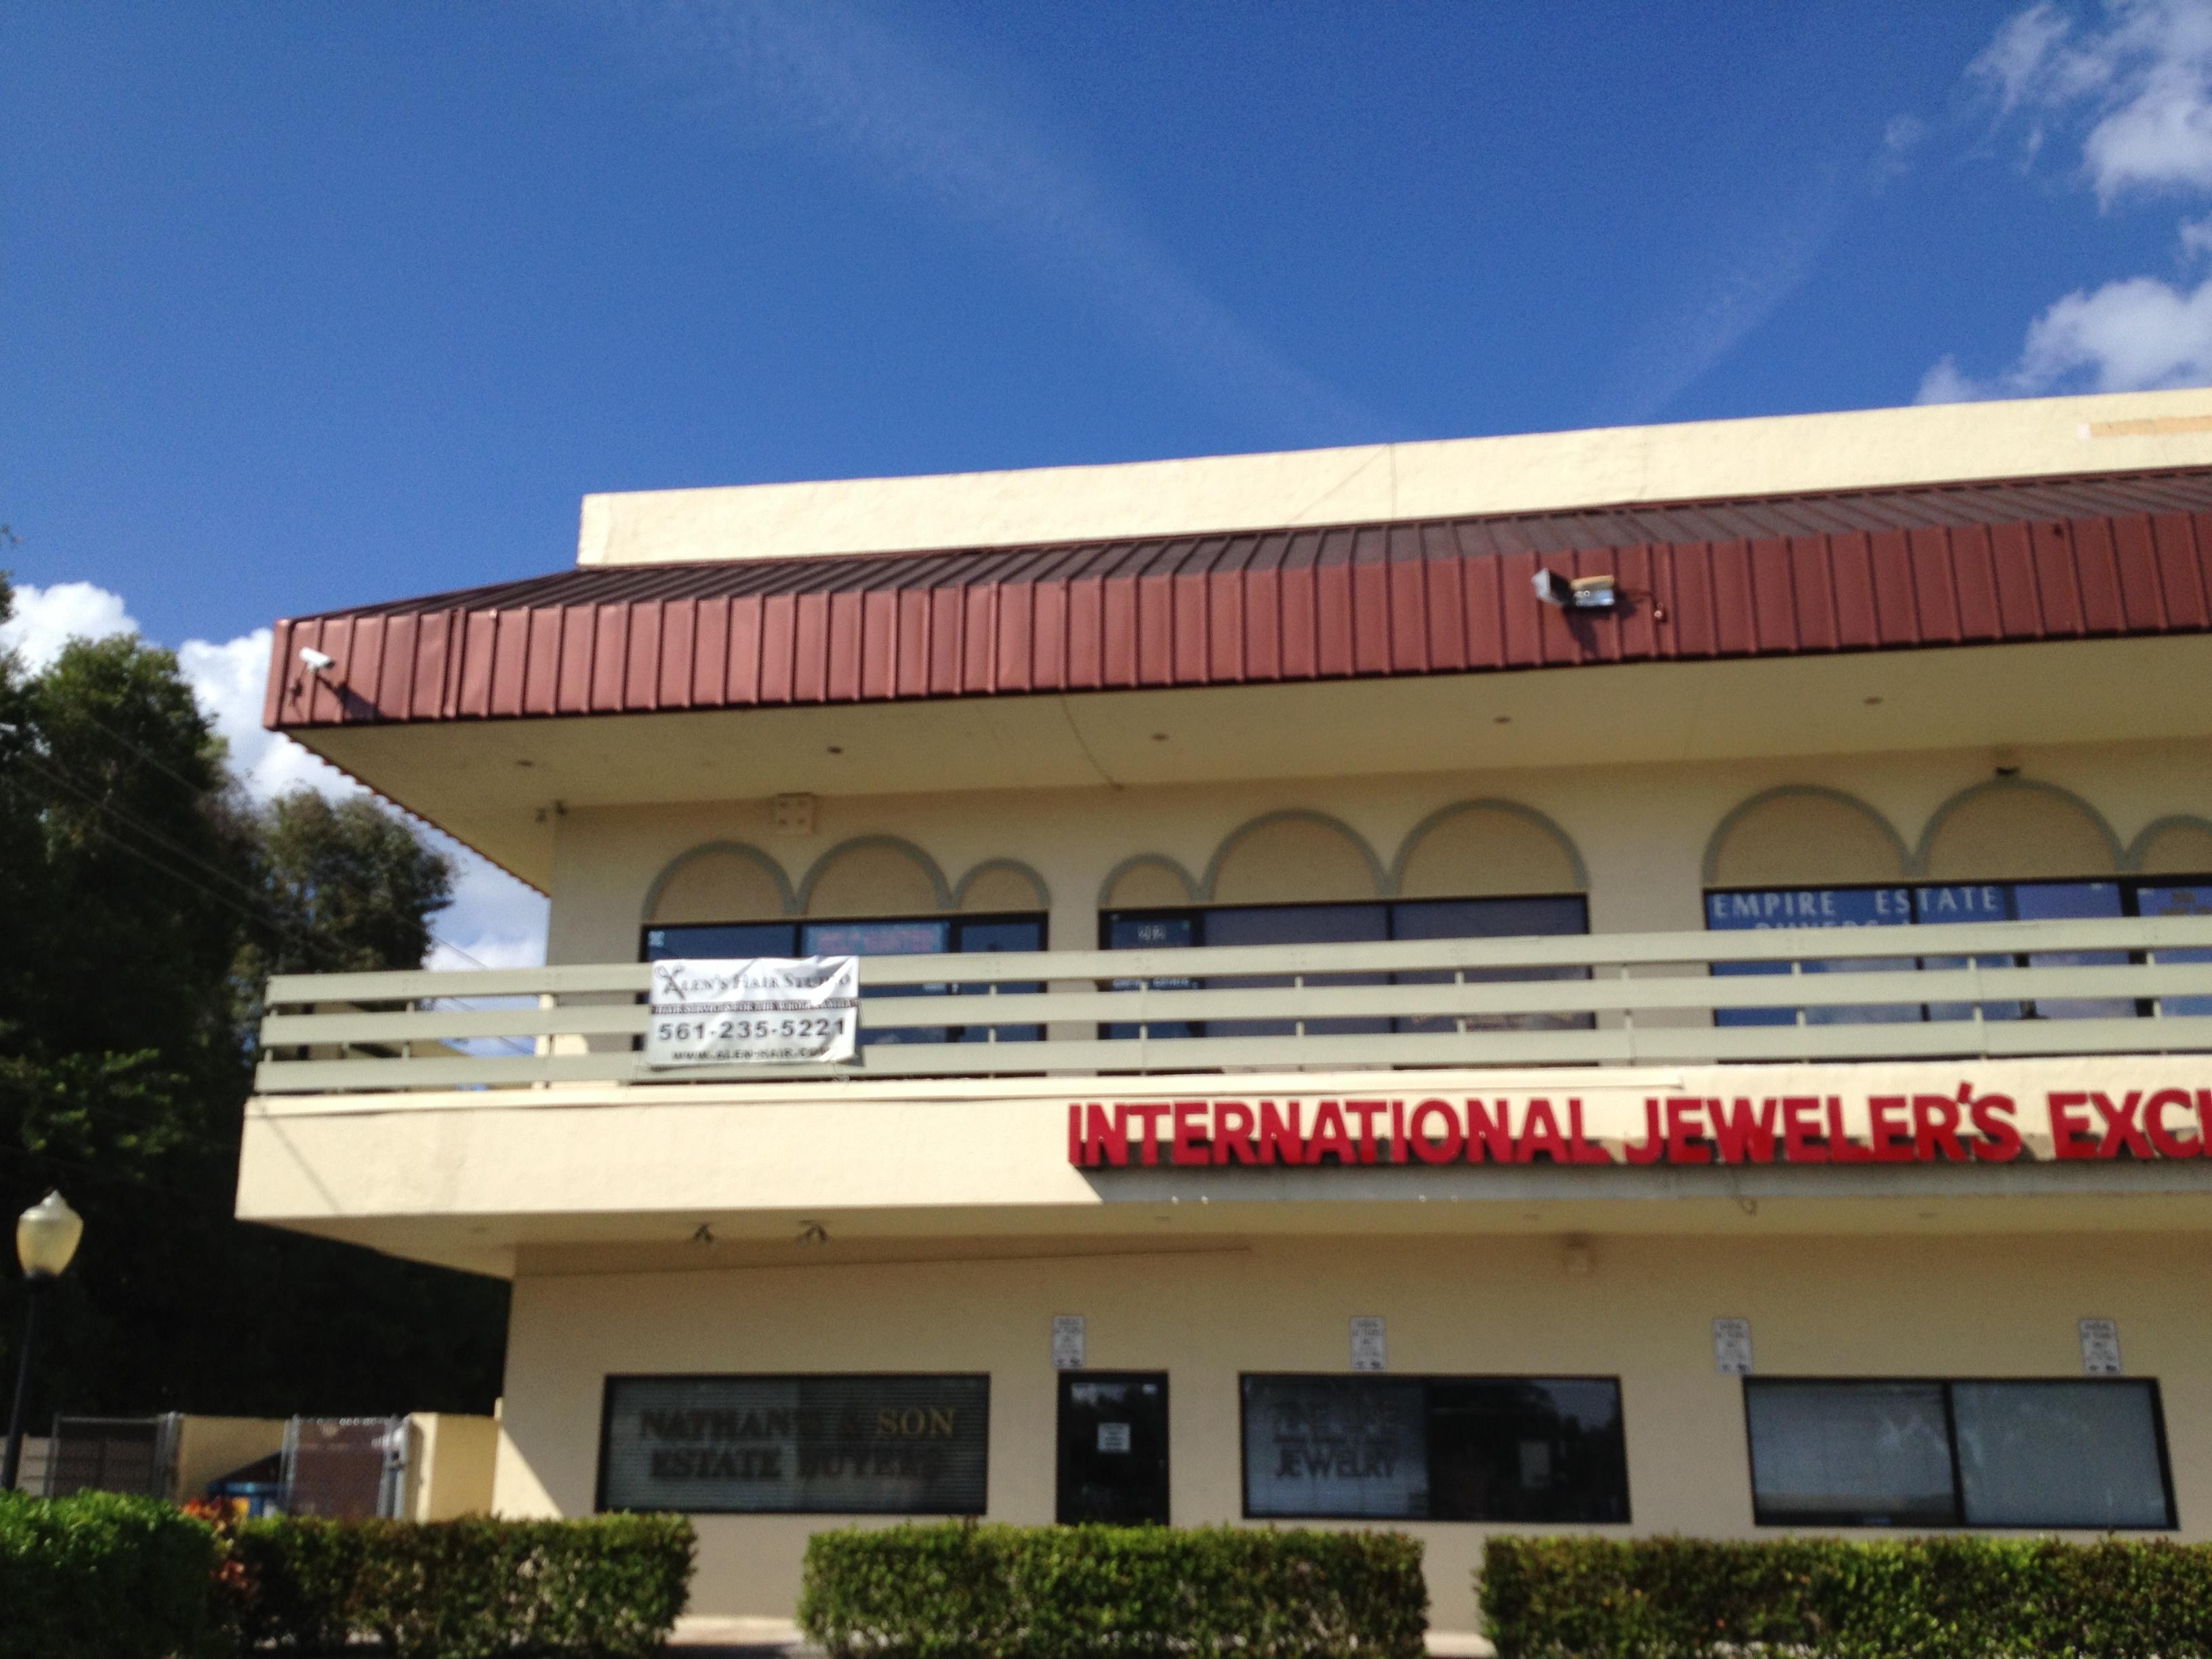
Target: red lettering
{"x": 1105, "y": 1141}
{"x": 1935, "y": 1129}
{"x": 1397, "y": 1132}
{"x": 1581, "y": 1150}
{"x": 1800, "y": 1130}
{"x": 1365, "y": 1110}
{"x": 1743, "y": 1136}
{"x": 2121, "y": 1131}
{"x": 1888, "y": 1134}
{"x": 1330, "y": 1135}
{"x": 1683, "y": 1146}
{"x": 1842, "y": 1149}
{"x": 1281, "y": 1140}
{"x": 1148, "y": 1116}
{"x": 2069, "y": 1129}
{"x": 1654, "y": 1143}
{"x": 2000, "y": 1142}
{"x": 1494, "y": 1139}
{"x": 1445, "y": 1147}
{"x": 1189, "y": 1144}
{"x": 1074, "y": 1132}
{"x": 2169, "y": 1144}
{"x": 1232, "y": 1133}
{"x": 1539, "y": 1133}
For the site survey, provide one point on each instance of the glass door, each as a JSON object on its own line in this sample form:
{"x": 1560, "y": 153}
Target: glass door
{"x": 1113, "y": 1448}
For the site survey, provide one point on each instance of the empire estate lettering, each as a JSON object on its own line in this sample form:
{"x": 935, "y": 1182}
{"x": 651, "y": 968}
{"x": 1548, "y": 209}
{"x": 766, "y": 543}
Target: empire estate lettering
{"x": 1967, "y": 1126}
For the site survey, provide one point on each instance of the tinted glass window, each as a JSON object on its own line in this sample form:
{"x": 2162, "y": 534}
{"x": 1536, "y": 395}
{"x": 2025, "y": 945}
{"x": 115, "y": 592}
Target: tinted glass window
{"x": 2186, "y": 899}
{"x": 1865, "y": 1454}
{"x": 917, "y": 936}
{"x": 1531, "y": 1449}
{"x": 2059, "y": 1454}
{"x": 2078, "y": 1453}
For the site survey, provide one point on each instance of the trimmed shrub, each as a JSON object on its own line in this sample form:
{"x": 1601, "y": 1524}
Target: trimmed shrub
{"x": 611, "y": 1585}
{"x": 956, "y": 1591}
{"x": 103, "y": 1576}
{"x": 1970, "y": 1597}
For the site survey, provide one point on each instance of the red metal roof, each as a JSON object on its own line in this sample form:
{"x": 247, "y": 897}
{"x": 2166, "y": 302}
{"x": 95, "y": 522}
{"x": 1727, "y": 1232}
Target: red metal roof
{"x": 1866, "y": 570}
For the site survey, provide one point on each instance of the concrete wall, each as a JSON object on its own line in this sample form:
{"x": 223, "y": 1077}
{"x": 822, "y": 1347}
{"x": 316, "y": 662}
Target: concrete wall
{"x": 449, "y": 1465}
{"x": 1832, "y": 1306}
{"x": 208, "y": 1448}
{"x": 1647, "y": 838}
{"x": 1854, "y": 450}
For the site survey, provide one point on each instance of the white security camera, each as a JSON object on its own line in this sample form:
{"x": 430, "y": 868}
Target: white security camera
{"x": 317, "y": 661}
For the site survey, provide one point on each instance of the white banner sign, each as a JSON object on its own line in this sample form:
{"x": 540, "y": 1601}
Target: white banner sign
{"x": 754, "y": 1010}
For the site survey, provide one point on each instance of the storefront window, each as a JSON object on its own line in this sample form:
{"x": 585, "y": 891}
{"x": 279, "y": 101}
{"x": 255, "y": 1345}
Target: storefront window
{"x": 1975, "y": 1453}
{"x": 1334, "y": 924}
{"x": 2186, "y": 899}
{"x": 1931, "y": 904}
{"x": 796, "y": 1445}
{"x": 908, "y": 936}
{"x": 1524, "y": 1449}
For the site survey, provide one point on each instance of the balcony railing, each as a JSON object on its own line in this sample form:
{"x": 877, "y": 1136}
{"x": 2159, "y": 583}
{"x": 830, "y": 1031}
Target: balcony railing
{"x": 2136, "y": 985}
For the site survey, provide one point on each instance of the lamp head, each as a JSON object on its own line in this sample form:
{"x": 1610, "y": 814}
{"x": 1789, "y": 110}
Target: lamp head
{"x": 46, "y": 1236}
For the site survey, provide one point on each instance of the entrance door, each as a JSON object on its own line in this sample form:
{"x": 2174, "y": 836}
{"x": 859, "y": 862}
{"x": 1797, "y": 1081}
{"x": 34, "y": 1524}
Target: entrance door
{"x": 1113, "y": 1448}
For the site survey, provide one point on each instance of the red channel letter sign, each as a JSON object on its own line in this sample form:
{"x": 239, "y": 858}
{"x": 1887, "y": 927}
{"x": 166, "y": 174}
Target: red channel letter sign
{"x": 1965, "y": 1126}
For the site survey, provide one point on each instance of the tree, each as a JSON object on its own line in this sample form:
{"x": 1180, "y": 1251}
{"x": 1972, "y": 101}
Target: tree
{"x": 143, "y": 902}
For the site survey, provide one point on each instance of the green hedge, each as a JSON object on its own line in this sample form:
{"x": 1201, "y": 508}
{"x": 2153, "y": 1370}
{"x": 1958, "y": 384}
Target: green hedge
{"x": 100, "y": 1577}
{"x": 464, "y": 1590}
{"x": 958, "y": 1591}
{"x": 1974, "y": 1597}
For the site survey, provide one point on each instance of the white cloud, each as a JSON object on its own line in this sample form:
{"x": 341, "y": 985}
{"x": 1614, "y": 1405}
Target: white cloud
{"x": 48, "y": 619}
{"x": 2137, "y": 92}
{"x": 2138, "y": 335}
{"x": 2143, "y": 85}
{"x": 495, "y": 919}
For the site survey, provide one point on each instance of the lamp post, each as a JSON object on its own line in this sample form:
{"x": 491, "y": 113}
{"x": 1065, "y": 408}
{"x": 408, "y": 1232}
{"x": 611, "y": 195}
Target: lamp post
{"x": 46, "y": 1236}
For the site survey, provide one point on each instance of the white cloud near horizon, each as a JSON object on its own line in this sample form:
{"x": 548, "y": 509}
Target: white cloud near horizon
{"x": 845, "y": 82}
{"x": 2137, "y": 93}
{"x": 494, "y": 920}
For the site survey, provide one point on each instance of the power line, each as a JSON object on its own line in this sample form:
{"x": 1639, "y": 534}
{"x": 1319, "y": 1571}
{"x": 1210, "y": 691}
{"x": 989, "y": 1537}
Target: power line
{"x": 155, "y": 761}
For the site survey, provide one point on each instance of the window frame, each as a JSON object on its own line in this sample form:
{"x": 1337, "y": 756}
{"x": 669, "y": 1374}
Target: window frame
{"x": 1423, "y": 1379}
{"x": 607, "y": 1418}
{"x": 2130, "y": 885}
{"x": 1761, "y": 1518}
{"x": 1119, "y": 1031}
{"x": 955, "y": 921}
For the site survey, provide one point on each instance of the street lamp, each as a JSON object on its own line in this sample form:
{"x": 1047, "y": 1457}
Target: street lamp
{"x": 46, "y": 1236}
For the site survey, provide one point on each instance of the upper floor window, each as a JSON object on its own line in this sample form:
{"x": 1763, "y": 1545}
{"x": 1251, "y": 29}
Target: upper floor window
{"x": 1897, "y": 906}
{"x": 911, "y": 936}
{"x": 1335, "y": 924}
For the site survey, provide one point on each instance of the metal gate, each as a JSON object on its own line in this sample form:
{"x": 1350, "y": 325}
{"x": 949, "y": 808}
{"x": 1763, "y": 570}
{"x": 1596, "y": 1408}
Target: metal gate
{"x": 345, "y": 1466}
{"x": 134, "y": 1455}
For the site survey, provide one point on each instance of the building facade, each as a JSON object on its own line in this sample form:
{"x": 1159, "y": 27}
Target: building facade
{"x": 1653, "y": 980}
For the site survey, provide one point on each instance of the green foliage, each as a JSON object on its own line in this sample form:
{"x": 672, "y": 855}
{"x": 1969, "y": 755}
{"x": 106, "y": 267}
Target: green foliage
{"x": 609, "y": 1586}
{"x": 1960, "y": 1597}
{"x": 143, "y": 899}
{"x": 100, "y": 1577}
{"x": 957, "y": 1591}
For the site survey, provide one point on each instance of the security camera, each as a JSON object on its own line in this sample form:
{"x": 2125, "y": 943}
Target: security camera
{"x": 317, "y": 661}
{"x": 1581, "y": 593}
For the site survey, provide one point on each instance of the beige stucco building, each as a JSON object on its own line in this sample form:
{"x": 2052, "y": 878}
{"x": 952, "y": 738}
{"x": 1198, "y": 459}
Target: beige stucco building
{"x": 1744, "y": 1014}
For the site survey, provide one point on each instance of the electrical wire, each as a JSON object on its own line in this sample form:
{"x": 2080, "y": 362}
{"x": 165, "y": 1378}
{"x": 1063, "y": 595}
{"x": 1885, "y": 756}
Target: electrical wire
{"x": 159, "y": 765}
{"x": 305, "y": 941}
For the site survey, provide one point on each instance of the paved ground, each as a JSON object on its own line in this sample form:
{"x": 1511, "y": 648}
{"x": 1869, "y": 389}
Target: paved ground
{"x": 776, "y": 1638}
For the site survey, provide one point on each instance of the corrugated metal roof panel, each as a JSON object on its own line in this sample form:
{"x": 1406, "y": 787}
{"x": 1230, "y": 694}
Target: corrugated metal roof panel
{"x": 1873, "y": 569}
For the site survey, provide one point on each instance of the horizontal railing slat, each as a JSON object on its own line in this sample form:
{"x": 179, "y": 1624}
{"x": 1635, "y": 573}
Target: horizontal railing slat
{"x": 1933, "y": 986}
{"x": 1098, "y": 1061}
{"x": 581, "y": 1019}
{"x": 1551, "y": 951}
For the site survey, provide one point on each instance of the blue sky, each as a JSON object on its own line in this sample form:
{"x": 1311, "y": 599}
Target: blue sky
{"x": 304, "y": 306}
